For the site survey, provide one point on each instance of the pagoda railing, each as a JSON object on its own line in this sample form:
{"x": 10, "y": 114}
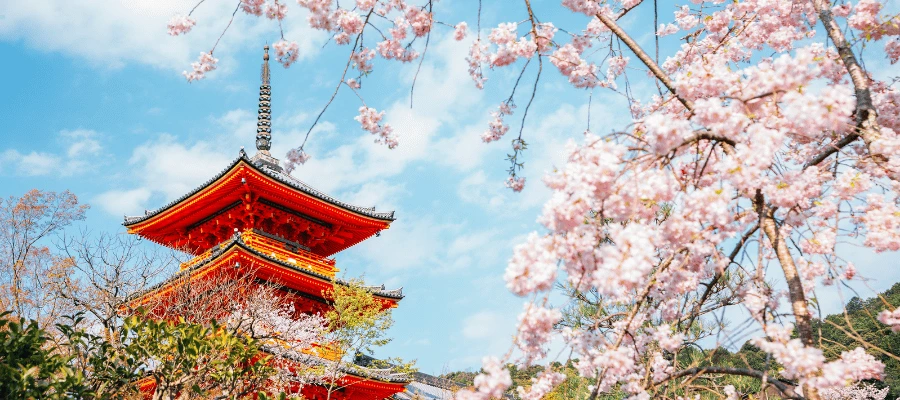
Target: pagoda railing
{"x": 273, "y": 248}
{"x": 290, "y": 254}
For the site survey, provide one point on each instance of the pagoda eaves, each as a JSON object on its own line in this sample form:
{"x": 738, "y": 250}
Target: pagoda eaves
{"x": 249, "y": 194}
{"x": 244, "y": 251}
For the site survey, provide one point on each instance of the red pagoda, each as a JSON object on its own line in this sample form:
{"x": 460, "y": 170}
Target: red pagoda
{"x": 254, "y": 213}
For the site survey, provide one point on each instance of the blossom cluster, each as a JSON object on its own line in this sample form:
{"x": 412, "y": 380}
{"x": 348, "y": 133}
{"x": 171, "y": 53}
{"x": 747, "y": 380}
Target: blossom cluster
{"x": 491, "y": 384}
{"x": 370, "y": 120}
{"x": 286, "y": 52}
{"x": 890, "y": 318}
{"x": 294, "y": 158}
{"x": 497, "y": 128}
{"x": 181, "y": 24}
{"x": 535, "y": 328}
{"x": 204, "y": 64}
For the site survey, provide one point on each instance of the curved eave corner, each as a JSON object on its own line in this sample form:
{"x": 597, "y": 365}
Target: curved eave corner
{"x": 280, "y": 177}
{"x": 390, "y": 294}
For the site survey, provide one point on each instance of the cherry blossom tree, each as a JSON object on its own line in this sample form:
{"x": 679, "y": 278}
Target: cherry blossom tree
{"x": 771, "y": 141}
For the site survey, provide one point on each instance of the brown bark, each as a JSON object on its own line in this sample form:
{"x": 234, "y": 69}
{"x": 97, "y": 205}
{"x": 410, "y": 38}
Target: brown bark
{"x": 799, "y": 303}
{"x": 786, "y": 388}
{"x": 645, "y": 58}
{"x": 867, "y": 125}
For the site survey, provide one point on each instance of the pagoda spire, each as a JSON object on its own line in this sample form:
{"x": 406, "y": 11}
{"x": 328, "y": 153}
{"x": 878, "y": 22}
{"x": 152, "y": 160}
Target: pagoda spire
{"x": 264, "y": 119}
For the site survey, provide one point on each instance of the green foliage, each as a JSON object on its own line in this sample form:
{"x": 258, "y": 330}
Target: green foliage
{"x": 836, "y": 333}
{"x": 29, "y": 367}
{"x": 202, "y": 359}
{"x": 110, "y": 371}
{"x": 462, "y": 378}
{"x": 357, "y": 324}
{"x": 181, "y": 358}
{"x": 842, "y": 332}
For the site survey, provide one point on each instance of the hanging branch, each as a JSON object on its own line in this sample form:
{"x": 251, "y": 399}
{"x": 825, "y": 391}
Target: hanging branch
{"x": 642, "y": 55}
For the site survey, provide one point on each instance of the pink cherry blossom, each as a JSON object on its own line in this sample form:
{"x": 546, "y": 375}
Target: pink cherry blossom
{"x": 730, "y": 393}
{"x": 294, "y": 157}
{"x": 350, "y": 22}
{"x": 419, "y": 20}
{"x": 617, "y": 66}
{"x": 252, "y": 7}
{"x": 393, "y": 49}
{"x": 685, "y": 19}
{"x": 532, "y": 267}
{"x": 286, "y": 52}
{"x": 541, "y": 385}
{"x": 459, "y": 32}
{"x": 477, "y": 57}
{"x": 667, "y": 340}
{"x": 516, "y": 183}
{"x": 321, "y": 15}
{"x": 276, "y": 10}
{"x": 892, "y": 49}
{"x": 545, "y": 34}
{"x": 581, "y": 74}
{"x": 370, "y": 120}
{"x": 859, "y": 391}
{"x": 365, "y": 5}
{"x": 890, "y": 318}
{"x": 362, "y": 60}
{"x": 865, "y": 15}
{"x": 491, "y": 384}
{"x": 882, "y": 221}
{"x": 353, "y": 83}
{"x": 535, "y": 330}
{"x": 204, "y": 64}
{"x": 496, "y": 127}
{"x": 510, "y": 46}
{"x": 853, "y": 366}
{"x": 841, "y": 10}
{"x": 666, "y": 29}
{"x": 181, "y": 24}
{"x": 588, "y": 7}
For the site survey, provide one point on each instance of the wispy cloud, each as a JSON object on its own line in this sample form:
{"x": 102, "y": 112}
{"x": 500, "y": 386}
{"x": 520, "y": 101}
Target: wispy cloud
{"x": 80, "y": 154}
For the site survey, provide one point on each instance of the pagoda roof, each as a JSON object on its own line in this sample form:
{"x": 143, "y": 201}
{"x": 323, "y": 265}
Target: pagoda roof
{"x": 273, "y": 173}
{"x": 241, "y": 194}
{"x": 236, "y": 242}
{"x": 379, "y": 374}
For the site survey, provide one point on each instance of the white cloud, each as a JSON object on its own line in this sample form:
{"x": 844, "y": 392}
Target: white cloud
{"x": 82, "y": 143}
{"x": 409, "y": 243}
{"x": 482, "y": 325}
{"x": 30, "y": 164}
{"x": 379, "y": 193}
{"x": 113, "y": 33}
{"x": 123, "y": 202}
{"x": 174, "y": 169}
{"x": 476, "y": 189}
{"x": 471, "y": 242}
{"x": 82, "y": 149}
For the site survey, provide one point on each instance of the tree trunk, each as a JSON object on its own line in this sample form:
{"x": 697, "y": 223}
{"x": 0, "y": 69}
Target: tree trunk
{"x": 799, "y": 303}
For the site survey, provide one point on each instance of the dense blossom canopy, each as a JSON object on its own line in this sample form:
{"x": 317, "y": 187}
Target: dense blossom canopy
{"x": 769, "y": 144}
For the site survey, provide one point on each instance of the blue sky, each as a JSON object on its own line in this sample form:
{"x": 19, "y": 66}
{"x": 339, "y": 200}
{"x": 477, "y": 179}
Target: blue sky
{"x": 93, "y": 101}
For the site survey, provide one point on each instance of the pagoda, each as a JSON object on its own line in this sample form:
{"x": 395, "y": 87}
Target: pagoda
{"x": 253, "y": 213}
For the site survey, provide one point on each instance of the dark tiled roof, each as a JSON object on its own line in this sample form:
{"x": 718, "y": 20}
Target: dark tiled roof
{"x": 421, "y": 390}
{"x": 381, "y": 374}
{"x": 279, "y": 176}
{"x": 236, "y": 240}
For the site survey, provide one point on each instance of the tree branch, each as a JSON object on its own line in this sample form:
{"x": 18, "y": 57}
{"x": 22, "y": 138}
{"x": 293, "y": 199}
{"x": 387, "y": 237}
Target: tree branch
{"x": 645, "y": 58}
{"x": 779, "y": 384}
{"x": 867, "y": 125}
